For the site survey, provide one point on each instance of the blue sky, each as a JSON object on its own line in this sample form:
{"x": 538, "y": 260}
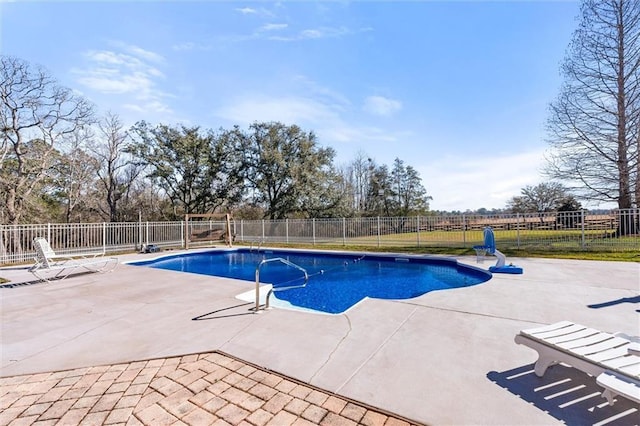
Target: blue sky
{"x": 458, "y": 90}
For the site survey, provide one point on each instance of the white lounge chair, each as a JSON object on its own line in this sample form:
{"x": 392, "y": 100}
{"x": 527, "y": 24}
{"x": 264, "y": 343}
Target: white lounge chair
{"x": 614, "y": 359}
{"x": 46, "y": 260}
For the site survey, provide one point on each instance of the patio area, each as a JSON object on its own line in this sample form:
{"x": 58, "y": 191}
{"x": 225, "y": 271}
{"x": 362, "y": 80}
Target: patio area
{"x": 447, "y": 357}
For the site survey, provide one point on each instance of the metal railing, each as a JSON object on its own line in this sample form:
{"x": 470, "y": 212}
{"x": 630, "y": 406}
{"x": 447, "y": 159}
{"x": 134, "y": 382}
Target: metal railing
{"x": 273, "y": 288}
{"x": 615, "y": 230}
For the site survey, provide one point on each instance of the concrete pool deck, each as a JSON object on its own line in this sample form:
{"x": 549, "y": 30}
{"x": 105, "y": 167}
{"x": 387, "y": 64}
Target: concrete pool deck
{"x": 447, "y": 357}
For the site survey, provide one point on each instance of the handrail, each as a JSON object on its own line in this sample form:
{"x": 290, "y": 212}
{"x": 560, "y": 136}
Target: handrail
{"x": 286, "y": 262}
{"x": 260, "y": 242}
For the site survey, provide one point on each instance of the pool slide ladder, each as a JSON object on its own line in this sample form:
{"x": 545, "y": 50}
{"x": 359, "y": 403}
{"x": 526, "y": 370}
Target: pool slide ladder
{"x": 286, "y": 262}
{"x": 260, "y": 242}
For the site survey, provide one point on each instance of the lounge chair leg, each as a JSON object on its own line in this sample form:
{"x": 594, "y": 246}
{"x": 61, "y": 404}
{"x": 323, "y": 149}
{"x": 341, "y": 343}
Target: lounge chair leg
{"x": 609, "y": 396}
{"x": 542, "y": 364}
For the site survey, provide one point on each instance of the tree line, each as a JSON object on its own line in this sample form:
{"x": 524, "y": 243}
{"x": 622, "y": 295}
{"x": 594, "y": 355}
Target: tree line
{"x": 60, "y": 162}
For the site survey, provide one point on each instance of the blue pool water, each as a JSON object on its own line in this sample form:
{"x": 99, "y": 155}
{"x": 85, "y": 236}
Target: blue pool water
{"x": 336, "y": 281}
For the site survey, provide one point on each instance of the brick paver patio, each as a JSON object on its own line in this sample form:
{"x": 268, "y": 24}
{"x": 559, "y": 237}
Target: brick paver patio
{"x": 201, "y": 389}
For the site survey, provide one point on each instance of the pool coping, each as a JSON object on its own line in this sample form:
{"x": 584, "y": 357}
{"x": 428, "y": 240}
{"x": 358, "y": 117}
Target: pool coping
{"x": 265, "y": 288}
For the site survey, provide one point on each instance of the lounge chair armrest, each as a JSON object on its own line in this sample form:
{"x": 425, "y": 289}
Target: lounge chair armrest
{"x": 89, "y": 255}
{"x": 629, "y": 337}
{"x": 634, "y": 346}
{"x": 76, "y": 256}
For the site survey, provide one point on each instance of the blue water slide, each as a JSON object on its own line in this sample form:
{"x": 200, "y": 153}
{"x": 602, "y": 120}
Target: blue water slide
{"x": 490, "y": 248}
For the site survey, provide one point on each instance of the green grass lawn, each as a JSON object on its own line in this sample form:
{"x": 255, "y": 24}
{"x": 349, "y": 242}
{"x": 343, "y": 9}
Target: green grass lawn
{"x": 561, "y": 244}
{"x": 623, "y": 256}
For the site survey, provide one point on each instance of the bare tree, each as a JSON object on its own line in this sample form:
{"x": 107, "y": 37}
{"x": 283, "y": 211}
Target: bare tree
{"x": 76, "y": 172}
{"x": 117, "y": 171}
{"x": 636, "y": 158}
{"x": 379, "y": 197}
{"x": 38, "y": 117}
{"x": 359, "y": 174}
{"x": 594, "y": 123}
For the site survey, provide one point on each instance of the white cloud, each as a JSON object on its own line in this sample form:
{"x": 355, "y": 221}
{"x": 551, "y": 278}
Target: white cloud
{"x": 190, "y": 46}
{"x": 338, "y": 101}
{"x": 289, "y": 110}
{"x": 273, "y": 27}
{"x": 107, "y": 81}
{"x": 318, "y": 33}
{"x": 326, "y": 118}
{"x": 251, "y": 11}
{"x": 358, "y": 134}
{"x": 246, "y": 10}
{"x": 129, "y": 72}
{"x": 283, "y": 31}
{"x": 312, "y": 33}
{"x": 457, "y": 183}
{"x": 184, "y": 46}
{"x": 108, "y": 58}
{"x": 379, "y": 105}
{"x": 142, "y": 53}
{"x": 313, "y": 106}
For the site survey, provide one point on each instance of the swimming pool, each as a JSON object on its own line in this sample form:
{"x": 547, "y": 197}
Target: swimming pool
{"x": 337, "y": 281}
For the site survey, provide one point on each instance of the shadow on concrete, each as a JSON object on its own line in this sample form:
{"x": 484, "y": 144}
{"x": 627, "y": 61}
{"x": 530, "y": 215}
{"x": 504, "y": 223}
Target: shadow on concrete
{"x": 22, "y": 284}
{"x": 567, "y": 394}
{"x": 50, "y": 280}
{"x": 214, "y": 314}
{"x": 635, "y": 299}
{"x": 15, "y": 268}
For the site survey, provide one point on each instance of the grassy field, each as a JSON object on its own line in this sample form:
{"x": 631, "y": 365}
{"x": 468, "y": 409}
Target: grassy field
{"x": 622, "y": 256}
{"x": 547, "y": 239}
{"x": 561, "y": 244}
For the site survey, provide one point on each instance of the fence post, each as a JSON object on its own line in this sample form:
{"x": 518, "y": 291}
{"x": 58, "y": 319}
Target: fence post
{"x": 49, "y": 232}
{"x": 4, "y": 252}
{"x": 139, "y": 230}
{"x": 344, "y": 232}
{"x": 286, "y": 228}
{"x": 146, "y": 233}
{"x": 418, "y": 228}
{"x": 313, "y": 230}
{"x": 104, "y": 237}
{"x": 464, "y": 231}
{"x": 582, "y": 243}
{"x": 378, "y": 231}
{"x": 518, "y": 230}
{"x": 262, "y": 229}
{"x": 242, "y": 230}
{"x": 186, "y": 232}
